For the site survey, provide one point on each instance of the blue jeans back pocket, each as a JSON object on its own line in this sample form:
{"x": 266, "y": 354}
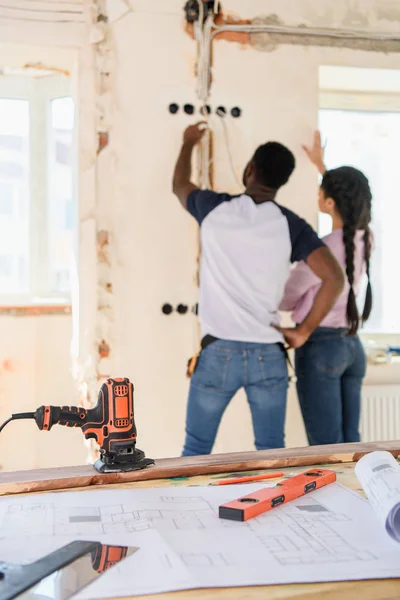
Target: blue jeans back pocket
{"x": 330, "y": 357}
{"x": 272, "y": 366}
{"x": 212, "y": 369}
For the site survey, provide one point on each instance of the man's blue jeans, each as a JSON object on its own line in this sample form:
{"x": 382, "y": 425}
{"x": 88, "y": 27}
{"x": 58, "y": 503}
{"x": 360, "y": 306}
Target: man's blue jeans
{"x": 223, "y": 368}
{"x": 330, "y": 369}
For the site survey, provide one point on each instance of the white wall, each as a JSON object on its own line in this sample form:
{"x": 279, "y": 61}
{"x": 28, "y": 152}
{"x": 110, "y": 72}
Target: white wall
{"x": 156, "y": 240}
{"x": 35, "y": 370}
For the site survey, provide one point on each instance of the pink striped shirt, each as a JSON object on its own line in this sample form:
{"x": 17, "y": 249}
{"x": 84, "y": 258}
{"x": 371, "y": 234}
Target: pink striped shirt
{"x": 303, "y": 285}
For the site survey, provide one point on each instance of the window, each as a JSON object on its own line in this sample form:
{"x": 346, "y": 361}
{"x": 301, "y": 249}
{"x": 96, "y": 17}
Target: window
{"x": 14, "y": 196}
{"x": 37, "y": 189}
{"x": 362, "y": 129}
{"x": 61, "y": 205}
{"x": 6, "y": 198}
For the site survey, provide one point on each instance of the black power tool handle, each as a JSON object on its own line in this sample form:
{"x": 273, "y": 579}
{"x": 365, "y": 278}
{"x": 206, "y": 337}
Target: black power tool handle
{"x": 70, "y": 416}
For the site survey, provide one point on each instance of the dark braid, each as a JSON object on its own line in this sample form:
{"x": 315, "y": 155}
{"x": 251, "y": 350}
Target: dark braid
{"x": 367, "y": 256}
{"x": 349, "y": 188}
{"x": 349, "y": 232}
{"x": 366, "y": 219}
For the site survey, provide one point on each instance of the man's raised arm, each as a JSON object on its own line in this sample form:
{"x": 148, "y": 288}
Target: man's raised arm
{"x": 182, "y": 185}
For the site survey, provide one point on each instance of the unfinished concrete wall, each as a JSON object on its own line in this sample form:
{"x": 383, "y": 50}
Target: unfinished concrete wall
{"x": 133, "y": 234}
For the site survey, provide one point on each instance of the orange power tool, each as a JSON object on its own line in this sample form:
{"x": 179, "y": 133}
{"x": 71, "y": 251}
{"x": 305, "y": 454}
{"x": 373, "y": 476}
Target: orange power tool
{"x": 104, "y": 557}
{"x": 111, "y": 423}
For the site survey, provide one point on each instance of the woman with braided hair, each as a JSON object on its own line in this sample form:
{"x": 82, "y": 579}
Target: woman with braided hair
{"x": 331, "y": 365}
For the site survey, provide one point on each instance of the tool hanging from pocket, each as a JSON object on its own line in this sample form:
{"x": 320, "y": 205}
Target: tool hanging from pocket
{"x": 193, "y": 362}
{"x": 289, "y": 363}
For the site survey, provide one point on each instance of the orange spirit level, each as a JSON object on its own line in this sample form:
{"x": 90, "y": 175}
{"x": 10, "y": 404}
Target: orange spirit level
{"x": 259, "y": 502}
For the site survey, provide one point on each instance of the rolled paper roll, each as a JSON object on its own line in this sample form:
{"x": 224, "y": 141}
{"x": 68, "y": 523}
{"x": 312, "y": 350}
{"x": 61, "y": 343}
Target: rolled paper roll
{"x": 379, "y": 475}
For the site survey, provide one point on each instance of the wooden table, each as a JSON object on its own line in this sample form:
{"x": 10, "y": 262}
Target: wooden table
{"x": 346, "y": 454}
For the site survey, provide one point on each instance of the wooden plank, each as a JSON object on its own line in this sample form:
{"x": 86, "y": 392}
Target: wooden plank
{"x": 84, "y": 476}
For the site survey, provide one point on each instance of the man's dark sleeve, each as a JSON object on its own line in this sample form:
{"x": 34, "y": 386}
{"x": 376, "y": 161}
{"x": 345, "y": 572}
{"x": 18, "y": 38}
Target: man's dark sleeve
{"x": 303, "y": 237}
{"x": 201, "y": 202}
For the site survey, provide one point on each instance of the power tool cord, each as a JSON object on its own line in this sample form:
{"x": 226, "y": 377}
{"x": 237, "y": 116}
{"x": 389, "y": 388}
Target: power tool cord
{"x": 28, "y": 415}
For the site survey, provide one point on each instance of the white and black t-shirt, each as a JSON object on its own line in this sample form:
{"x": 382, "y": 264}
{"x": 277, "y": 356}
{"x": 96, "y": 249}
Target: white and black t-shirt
{"x": 247, "y": 249}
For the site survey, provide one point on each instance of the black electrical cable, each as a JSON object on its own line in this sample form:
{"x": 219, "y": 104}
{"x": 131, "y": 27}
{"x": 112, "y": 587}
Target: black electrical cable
{"x": 28, "y": 415}
{"x": 6, "y": 423}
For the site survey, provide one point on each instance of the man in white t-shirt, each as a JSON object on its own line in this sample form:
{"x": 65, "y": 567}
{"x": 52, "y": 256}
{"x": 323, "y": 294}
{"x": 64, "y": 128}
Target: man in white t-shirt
{"x": 248, "y": 244}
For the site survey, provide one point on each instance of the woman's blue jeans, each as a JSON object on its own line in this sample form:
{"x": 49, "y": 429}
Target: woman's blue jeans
{"x": 330, "y": 369}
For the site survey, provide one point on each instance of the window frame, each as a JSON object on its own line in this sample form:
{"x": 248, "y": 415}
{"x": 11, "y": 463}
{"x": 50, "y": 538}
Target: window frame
{"x": 364, "y": 101}
{"x": 39, "y": 92}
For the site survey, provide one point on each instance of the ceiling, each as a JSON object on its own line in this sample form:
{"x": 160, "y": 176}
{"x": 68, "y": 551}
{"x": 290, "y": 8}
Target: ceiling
{"x": 44, "y": 11}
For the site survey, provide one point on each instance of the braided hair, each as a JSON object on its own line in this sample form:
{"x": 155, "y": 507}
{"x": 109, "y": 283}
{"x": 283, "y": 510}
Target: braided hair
{"x": 349, "y": 188}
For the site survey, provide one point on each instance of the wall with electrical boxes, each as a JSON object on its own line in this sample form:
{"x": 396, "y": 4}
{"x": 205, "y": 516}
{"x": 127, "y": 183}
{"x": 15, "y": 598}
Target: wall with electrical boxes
{"x": 276, "y": 91}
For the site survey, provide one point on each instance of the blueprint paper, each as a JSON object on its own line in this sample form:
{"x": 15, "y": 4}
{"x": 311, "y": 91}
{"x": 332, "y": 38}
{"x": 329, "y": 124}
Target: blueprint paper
{"x": 379, "y": 475}
{"x": 31, "y": 528}
{"x": 328, "y": 535}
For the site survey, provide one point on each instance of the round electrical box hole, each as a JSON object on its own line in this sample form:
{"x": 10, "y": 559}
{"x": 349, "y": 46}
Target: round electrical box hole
{"x": 167, "y": 309}
{"x": 236, "y": 112}
{"x": 173, "y": 108}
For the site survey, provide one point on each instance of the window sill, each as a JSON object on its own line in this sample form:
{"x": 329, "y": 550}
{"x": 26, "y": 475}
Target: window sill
{"x": 32, "y": 310}
{"x": 382, "y": 349}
